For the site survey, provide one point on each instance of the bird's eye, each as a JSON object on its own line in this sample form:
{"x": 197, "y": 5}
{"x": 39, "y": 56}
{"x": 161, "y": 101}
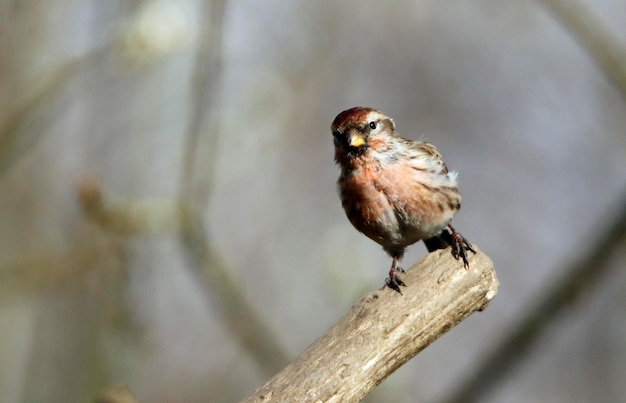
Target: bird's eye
{"x": 372, "y": 125}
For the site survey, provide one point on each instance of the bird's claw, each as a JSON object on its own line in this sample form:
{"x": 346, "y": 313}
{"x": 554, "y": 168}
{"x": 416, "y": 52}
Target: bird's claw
{"x": 460, "y": 246}
{"x": 394, "y": 281}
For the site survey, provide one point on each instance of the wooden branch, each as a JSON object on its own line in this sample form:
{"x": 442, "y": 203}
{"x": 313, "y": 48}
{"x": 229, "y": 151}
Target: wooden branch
{"x": 383, "y": 331}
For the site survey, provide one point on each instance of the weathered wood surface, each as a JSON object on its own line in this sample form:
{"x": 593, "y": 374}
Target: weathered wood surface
{"x": 383, "y": 330}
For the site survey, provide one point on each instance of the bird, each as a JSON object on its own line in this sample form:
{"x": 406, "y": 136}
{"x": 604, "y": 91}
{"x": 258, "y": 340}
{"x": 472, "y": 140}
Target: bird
{"x": 394, "y": 190}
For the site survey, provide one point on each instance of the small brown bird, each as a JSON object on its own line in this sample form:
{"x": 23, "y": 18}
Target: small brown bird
{"x": 394, "y": 190}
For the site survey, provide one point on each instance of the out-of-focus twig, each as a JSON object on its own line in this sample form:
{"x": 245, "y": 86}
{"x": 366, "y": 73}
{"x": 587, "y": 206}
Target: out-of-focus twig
{"x": 589, "y": 31}
{"x": 250, "y": 331}
{"x": 577, "y": 278}
{"x": 139, "y": 218}
{"x": 38, "y": 272}
{"x": 126, "y": 217}
{"x": 15, "y": 142}
{"x": 184, "y": 215}
{"x": 583, "y": 274}
{"x": 16, "y": 138}
{"x": 200, "y": 159}
{"x": 116, "y": 394}
{"x": 200, "y": 154}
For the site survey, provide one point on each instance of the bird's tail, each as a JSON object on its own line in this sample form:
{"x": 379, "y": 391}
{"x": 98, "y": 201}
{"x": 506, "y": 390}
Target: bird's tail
{"x": 441, "y": 241}
{"x": 449, "y": 236}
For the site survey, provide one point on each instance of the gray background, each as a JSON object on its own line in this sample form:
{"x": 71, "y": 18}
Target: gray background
{"x": 510, "y": 97}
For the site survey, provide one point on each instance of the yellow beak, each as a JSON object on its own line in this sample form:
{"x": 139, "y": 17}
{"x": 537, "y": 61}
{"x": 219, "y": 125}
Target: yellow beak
{"x": 355, "y": 139}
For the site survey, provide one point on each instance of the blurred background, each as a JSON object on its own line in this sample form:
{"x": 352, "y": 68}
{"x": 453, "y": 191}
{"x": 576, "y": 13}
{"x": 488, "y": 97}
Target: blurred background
{"x": 168, "y": 212}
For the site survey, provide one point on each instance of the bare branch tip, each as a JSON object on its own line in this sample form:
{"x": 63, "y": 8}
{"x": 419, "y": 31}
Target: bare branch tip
{"x": 89, "y": 191}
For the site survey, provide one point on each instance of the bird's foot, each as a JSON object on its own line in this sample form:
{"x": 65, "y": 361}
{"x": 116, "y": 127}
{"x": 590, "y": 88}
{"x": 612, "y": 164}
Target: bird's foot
{"x": 394, "y": 281}
{"x": 460, "y": 246}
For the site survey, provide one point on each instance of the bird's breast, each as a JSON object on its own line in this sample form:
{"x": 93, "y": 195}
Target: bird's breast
{"x": 396, "y": 204}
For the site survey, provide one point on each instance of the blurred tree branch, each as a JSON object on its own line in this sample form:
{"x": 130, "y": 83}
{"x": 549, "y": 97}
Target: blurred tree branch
{"x": 14, "y": 140}
{"x": 584, "y": 273}
{"x": 577, "y": 278}
{"x": 200, "y": 162}
{"x": 201, "y": 146}
{"x": 590, "y": 32}
{"x": 33, "y": 274}
{"x": 137, "y": 217}
{"x": 116, "y": 394}
{"x": 126, "y": 217}
{"x": 185, "y": 215}
{"x": 383, "y": 331}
